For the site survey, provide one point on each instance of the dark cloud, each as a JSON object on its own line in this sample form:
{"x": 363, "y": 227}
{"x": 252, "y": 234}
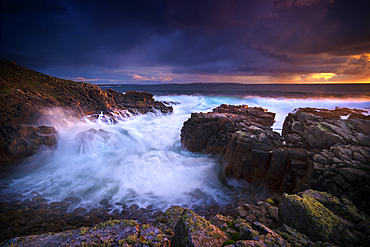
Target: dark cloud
{"x": 77, "y": 38}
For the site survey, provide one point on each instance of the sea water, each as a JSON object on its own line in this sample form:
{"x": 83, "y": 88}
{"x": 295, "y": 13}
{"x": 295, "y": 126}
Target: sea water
{"x": 140, "y": 159}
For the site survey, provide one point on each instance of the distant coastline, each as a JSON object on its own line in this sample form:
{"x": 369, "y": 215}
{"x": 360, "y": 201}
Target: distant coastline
{"x": 300, "y": 91}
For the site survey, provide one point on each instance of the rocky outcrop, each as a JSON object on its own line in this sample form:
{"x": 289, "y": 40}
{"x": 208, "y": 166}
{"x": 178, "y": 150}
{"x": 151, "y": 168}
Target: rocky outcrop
{"x": 20, "y": 141}
{"x": 252, "y": 150}
{"x": 193, "y": 230}
{"x": 212, "y": 131}
{"x": 337, "y": 152}
{"x": 320, "y": 149}
{"x": 31, "y": 98}
{"x": 25, "y": 94}
{"x": 323, "y": 217}
{"x": 310, "y": 218}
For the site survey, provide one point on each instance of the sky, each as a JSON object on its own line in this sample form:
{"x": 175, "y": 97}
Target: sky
{"x": 151, "y": 42}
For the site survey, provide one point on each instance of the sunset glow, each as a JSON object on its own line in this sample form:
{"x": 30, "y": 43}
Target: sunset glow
{"x": 155, "y": 42}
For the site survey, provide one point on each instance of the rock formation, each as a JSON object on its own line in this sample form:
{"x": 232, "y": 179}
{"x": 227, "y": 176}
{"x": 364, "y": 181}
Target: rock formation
{"x": 337, "y": 151}
{"x": 31, "y": 98}
{"x": 310, "y": 218}
{"x": 318, "y": 149}
{"x": 252, "y": 150}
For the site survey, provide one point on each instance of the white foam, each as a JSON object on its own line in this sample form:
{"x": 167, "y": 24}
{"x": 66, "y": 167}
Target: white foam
{"x": 140, "y": 160}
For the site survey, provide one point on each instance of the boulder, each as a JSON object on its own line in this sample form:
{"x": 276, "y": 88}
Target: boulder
{"x": 193, "y": 230}
{"x": 308, "y": 216}
{"x": 252, "y": 150}
{"x": 20, "y": 141}
{"x": 322, "y": 217}
{"x": 338, "y": 154}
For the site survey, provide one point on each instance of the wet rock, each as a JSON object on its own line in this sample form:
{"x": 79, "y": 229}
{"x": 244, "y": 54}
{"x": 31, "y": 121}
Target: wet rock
{"x": 20, "y": 141}
{"x": 193, "y": 230}
{"x": 72, "y": 199}
{"x": 80, "y": 210}
{"x": 212, "y": 131}
{"x": 252, "y": 150}
{"x": 75, "y": 220}
{"x": 104, "y": 202}
{"x": 31, "y": 98}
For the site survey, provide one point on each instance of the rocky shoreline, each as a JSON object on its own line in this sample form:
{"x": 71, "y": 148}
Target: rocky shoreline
{"x": 318, "y": 169}
{"x": 30, "y": 102}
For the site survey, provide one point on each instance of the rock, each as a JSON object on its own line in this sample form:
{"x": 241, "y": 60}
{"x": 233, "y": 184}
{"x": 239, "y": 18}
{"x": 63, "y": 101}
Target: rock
{"x": 115, "y": 232}
{"x": 72, "y": 199}
{"x": 212, "y": 131}
{"x": 321, "y": 216}
{"x": 246, "y": 231}
{"x": 338, "y": 153}
{"x": 308, "y": 216}
{"x": 104, "y": 202}
{"x": 20, "y": 141}
{"x": 150, "y": 235}
{"x": 31, "y": 98}
{"x": 75, "y": 220}
{"x": 293, "y": 237}
{"x": 266, "y": 237}
{"x": 168, "y": 220}
{"x": 80, "y": 210}
{"x": 193, "y": 230}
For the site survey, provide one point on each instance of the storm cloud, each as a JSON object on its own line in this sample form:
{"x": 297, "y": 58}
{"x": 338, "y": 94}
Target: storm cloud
{"x": 187, "y": 41}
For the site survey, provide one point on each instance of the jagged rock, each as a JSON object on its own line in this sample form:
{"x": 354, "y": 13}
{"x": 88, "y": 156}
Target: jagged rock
{"x": 246, "y": 231}
{"x": 321, "y": 216}
{"x": 118, "y": 232}
{"x": 28, "y": 97}
{"x": 262, "y": 212}
{"x": 266, "y": 237}
{"x": 339, "y": 153}
{"x": 213, "y": 130}
{"x": 309, "y": 216}
{"x": 293, "y": 237}
{"x": 150, "y": 235}
{"x": 168, "y": 220}
{"x": 193, "y": 230}
{"x": 20, "y": 141}
{"x": 252, "y": 150}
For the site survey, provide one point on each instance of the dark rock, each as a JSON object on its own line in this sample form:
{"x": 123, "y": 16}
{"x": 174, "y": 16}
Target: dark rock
{"x": 104, "y": 202}
{"x": 308, "y": 216}
{"x": 319, "y": 215}
{"x": 80, "y": 210}
{"x": 27, "y": 97}
{"x": 75, "y": 220}
{"x": 20, "y": 141}
{"x": 72, "y": 199}
{"x": 193, "y": 230}
{"x": 150, "y": 235}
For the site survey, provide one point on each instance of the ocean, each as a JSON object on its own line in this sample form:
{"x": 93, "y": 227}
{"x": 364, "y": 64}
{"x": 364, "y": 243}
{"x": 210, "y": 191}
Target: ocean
{"x": 139, "y": 160}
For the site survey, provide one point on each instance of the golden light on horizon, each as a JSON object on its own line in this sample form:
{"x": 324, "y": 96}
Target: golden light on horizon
{"x": 321, "y": 76}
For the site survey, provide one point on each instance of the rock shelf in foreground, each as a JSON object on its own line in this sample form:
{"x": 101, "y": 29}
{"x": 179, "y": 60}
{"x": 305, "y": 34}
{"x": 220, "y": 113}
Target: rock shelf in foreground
{"x": 310, "y": 218}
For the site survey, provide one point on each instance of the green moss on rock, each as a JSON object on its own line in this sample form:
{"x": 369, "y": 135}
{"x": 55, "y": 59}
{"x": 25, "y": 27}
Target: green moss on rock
{"x": 308, "y": 215}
